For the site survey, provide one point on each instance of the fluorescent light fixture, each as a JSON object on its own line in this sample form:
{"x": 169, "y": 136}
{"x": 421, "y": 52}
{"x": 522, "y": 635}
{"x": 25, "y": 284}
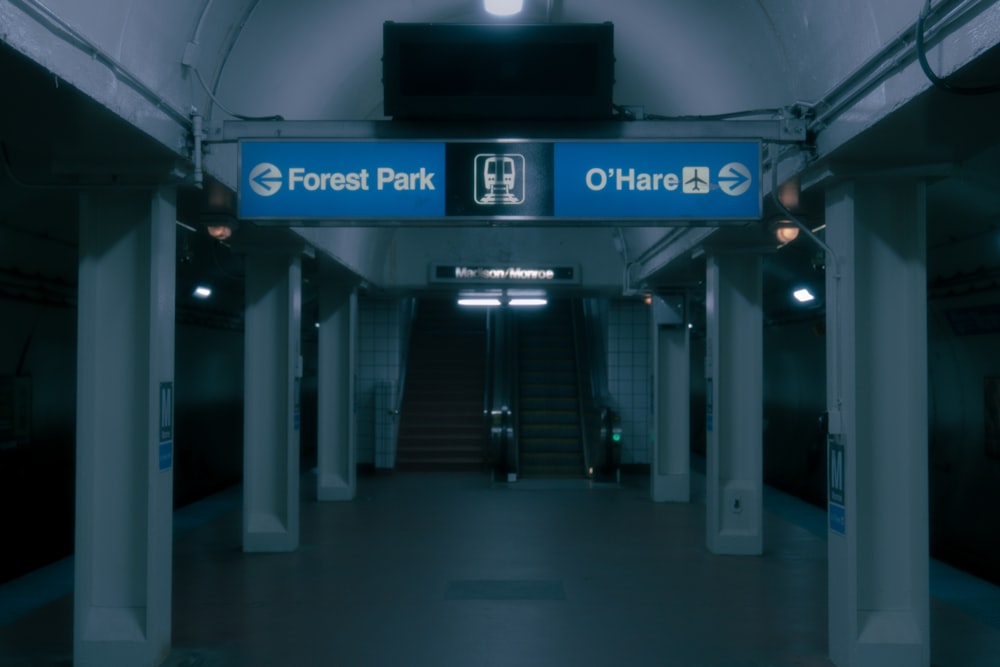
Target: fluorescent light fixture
{"x": 528, "y": 302}
{"x": 803, "y": 295}
{"x": 503, "y": 7}
{"x": 479, "y": 301}
{"x": 202, "y": 291}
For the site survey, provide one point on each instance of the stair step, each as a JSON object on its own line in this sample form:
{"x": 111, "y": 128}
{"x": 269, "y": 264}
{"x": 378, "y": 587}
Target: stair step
{"x": 441, "y": 423}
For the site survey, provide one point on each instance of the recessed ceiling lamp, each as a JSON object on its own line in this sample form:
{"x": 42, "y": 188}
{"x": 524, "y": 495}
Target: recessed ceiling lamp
{"x": 528, "y": 302}
{"x": 503, "y": 7}
{"x": 202, "y": 291}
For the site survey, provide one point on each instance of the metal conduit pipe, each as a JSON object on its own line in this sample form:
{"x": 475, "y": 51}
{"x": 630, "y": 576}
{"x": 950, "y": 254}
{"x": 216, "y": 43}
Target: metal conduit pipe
{"x": 880, "y": 66}
{"x": 57, "y": 26}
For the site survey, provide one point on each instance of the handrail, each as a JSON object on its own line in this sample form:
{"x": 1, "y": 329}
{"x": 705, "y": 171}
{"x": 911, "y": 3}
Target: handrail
{"x": 488, "y": 392}
{"x": 513, "y": 390}
{"x": 585, "y": 373}
{"x": 408, "y": 311}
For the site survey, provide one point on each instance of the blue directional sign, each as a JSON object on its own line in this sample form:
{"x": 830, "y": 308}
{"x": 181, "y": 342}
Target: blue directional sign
{"x": 837, "y": 487}
{"x": 654, "y": 181}
{"x": 690, "y": 180}
{"x": 166, "y": 441}
{"x": 334, "y": 179}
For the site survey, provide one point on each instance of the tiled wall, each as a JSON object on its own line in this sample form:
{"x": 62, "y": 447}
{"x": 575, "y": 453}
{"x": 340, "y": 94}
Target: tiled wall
{"x": 629, "y": 369}
{"x": 381, "y": 333}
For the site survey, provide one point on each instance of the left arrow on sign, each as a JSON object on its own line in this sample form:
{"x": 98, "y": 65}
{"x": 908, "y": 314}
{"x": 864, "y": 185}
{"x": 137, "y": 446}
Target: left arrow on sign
{"x": 265, "y": 179}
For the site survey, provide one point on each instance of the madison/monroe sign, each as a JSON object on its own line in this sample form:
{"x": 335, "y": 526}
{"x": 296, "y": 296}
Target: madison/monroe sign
{"x": 504, "y": 274}
{"x": 349, "y": 182}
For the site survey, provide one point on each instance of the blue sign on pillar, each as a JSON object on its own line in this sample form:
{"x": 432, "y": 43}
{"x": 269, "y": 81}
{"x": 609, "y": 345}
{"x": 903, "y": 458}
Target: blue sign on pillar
{"x": 166, "y": 446}
{"x": 835, "y": 474}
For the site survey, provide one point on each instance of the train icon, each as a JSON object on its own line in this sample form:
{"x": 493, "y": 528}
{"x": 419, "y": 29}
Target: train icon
{"x": 499, "y": 178}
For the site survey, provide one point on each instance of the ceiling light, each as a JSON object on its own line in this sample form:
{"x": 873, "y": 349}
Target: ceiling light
{"x": 786, "y": 233}
{"x": 803, "y": 295}
{"x": 220, "y": 232}
{"x": 503, "y": 7}
{"x": 479, "y": 301}
{"x": 220, "y": 226}
{"x": 528, "y": 302}
{"x": 789, "y": 193}
{"x": 202, "y": 291}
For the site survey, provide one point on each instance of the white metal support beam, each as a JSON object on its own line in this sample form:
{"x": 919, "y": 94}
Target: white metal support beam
{"x": 336, "y": 455}
{"x": 271, "y": 407}
{"x": 670, "y": 472}
{"x": 877, "y": 450}
{"x": 124, "y": 460}
{"x": 734, "y": 369}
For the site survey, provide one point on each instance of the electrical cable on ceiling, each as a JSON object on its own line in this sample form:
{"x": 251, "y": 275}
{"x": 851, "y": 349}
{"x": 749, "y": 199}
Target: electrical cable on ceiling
{"x": 219, "y": 104}
{"x": 723, "y": 116}
{"x": 934, "y": 78}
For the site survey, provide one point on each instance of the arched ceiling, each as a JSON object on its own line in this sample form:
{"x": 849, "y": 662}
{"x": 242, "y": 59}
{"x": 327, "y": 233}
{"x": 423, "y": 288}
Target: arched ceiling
{"x": 849, "y": 62}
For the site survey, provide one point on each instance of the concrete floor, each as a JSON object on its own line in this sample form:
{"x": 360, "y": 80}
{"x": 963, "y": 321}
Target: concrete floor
{"x": 452, "y": 570}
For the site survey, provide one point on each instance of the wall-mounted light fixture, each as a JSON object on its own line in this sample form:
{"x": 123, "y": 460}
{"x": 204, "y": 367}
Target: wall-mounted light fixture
{"x": 804, "y": 295}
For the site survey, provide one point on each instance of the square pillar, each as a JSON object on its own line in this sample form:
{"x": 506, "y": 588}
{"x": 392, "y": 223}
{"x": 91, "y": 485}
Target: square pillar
{"x": 670, "y": 472}
{"x": 877, "y": 445}
{"x": 124, "y": 448}
{"x": 271, "y": 406}
{"x": 734, "y": 371}
{"x": 336, "y": 451}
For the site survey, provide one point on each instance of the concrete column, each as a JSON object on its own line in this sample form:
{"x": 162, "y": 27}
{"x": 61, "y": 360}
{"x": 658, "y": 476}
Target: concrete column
{"x": 877, "y": 448}
{"x": 336, "y": 447}
{"x": 670, "y": 472}
{"x": 271, "y": 406}
{"x": 124, "y": 448}
{"x": 734, "y": 372}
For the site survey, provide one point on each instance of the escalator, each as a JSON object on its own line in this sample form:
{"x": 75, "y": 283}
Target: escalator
{"x": 550, "y": 435}
{"x": 441, "y": 415}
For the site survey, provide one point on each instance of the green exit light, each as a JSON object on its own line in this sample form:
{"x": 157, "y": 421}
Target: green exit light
{"x": 617, "y": 437}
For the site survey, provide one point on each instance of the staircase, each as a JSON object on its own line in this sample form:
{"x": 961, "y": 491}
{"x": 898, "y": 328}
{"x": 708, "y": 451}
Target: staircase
{"x": 550, "y": 440}
{"x": 441, "y": 425}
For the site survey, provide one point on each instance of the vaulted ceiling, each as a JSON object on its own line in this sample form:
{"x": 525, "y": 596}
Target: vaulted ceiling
{"x": 102, "y": 94}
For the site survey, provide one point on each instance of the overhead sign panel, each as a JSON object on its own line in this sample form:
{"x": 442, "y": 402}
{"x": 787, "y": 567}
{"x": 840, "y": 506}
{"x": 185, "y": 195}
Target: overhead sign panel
{"x": 691, "y": 180}
{"x": 329, "y": 179}
{"x": 331, "y": 182}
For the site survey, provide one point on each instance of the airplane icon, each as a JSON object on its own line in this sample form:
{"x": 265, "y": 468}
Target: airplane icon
{"x": 695, "y": 180}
